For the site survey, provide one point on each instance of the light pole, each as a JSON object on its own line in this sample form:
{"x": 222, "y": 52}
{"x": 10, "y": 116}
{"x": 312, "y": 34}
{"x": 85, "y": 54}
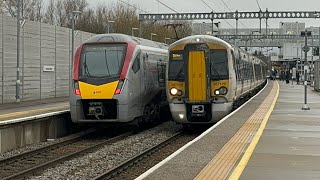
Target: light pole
{"x": 201, "y": 28}
{"x": 18, "y": 52}
{"x": 152, "y": 34}
{"x": 218, "y": 26}
{"x": 109, "y": 22}
{"x": 305, "y": 49}
{"x": 165, "y": 40}
{"x": 74, "y": 13}
{"x": 132, "y": 31}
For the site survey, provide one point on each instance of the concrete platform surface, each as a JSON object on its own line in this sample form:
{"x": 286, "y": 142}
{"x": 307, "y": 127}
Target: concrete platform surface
{"x": 190, "y": 160}
{"x": 32, "y": 108}
{"x": 289, "y": 146}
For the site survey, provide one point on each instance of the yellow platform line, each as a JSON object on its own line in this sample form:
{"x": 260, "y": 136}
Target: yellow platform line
{"x": 226, "y": 158}
{"x": 247, "y": 155}
{"x": 222, "y": 164}
{"x": 32, "y": 111}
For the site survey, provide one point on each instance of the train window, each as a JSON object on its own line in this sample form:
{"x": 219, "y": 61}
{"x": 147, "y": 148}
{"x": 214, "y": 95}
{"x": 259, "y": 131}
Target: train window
{"x": 136, "y": 64}
{"x": 219, "y": 64}
{"x": 176, "y": 67}
{"x": 102, "y": 60}
{"x": 233, "y": 59}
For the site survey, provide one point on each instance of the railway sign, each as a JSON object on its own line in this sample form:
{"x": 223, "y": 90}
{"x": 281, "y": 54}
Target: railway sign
{"x": 306, "y": 48}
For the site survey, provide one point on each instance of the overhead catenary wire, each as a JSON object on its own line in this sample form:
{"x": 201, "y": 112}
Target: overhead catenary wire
{"x": 134, "y": 7}
{"x": 215, "y": 11}
{"x": 258, "y": 4}
{"x": 231, "y": 10}
{"x": 167, "y": 6}
{"x": 260, "y": 8}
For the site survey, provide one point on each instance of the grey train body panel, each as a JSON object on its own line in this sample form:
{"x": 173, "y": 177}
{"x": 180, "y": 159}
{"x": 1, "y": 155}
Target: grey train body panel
{"x": 140, "y": 84}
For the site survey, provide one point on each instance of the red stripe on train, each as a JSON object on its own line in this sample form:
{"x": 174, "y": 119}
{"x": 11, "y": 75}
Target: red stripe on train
{"x": 76, "y": 63}
{"x": 130, "y": 50}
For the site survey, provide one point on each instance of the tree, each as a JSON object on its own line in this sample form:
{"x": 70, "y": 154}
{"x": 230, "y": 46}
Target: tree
{"x": 49, "y": 14}
{"x": 95, "y": 20}
{"x": 36, "y": 13}
{"x": 10, "y": 7}
{"x": 72, "y": 5}
{"x": 59, "y": 12}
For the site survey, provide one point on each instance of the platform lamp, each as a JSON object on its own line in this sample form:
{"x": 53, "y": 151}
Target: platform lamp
{"x": 132, "y": 31}
{"x": 74, "y": 14}
{"x": 109, "y": 22}
{"x": 18, "y": 51}
{"x": 306, "y": 48}
{"x": 165, "y": 40}
{"x": 18, "y": 16}
{"x": 152, "y": 34}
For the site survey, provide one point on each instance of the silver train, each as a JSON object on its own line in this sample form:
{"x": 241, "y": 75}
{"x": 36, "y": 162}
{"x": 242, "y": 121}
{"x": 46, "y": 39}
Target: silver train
{"x": 118, "y": 78}
{"x": 207, "y": 77}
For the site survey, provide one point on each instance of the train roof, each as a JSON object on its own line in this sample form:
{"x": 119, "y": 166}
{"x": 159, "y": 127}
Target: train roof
{"x": 123, "y": 38}
{"x": 203, "y": 38}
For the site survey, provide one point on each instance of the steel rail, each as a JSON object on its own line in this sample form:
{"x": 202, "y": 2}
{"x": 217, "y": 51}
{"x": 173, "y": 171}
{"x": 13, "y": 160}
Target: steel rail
{"x": 41, "y": 166}
{"x": 117, "y": 170}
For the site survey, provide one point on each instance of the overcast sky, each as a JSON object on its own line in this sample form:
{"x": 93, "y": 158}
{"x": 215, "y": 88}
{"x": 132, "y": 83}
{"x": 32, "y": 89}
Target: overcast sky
{"x": 218, "y": 6}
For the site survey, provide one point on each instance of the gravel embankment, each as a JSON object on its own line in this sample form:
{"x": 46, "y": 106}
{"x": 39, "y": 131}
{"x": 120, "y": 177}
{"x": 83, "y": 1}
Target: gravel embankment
{"x": 93, "y": 164}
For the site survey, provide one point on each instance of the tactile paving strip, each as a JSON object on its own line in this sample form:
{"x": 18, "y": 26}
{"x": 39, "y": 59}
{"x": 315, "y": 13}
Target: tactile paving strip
{"x": 224, "y": 162}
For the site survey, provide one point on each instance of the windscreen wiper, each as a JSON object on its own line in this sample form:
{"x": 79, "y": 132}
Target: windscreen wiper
{"x": 86, "y": 69}
{"x": 179, "y": 73}
{"x": 106, "y": 59}
{"x": 216, "y": 72}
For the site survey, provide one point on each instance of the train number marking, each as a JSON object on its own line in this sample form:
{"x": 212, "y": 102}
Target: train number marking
{"x": 220, "y": 84}
{"x": 96, "y": 92}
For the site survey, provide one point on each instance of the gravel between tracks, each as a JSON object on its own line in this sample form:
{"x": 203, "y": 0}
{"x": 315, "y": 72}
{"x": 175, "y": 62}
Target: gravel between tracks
{"x": 34, "y": 146}
{"x": 93, "y": 164}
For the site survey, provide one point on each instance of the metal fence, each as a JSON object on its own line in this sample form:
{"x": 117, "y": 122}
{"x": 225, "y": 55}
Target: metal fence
{"x": 317, "y": 75}
{"x": 45, "y": 63}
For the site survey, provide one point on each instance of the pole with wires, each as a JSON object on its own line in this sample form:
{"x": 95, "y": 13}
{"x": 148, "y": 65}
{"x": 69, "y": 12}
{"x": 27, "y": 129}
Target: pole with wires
{"x": 236, "y": 33}
{"x": 305, "y": 49}
{"x": 18, "y": 52}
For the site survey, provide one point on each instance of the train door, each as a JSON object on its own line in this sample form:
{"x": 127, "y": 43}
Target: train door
{"x": 161, "y": 69}
{"x": 144, "y": 80}
{"x": 197, "y": 76}
{"x": 135, "y": 82}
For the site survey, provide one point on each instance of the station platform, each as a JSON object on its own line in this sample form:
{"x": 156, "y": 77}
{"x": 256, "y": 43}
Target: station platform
{"x": 10, "y": 111}
{"x": 269, "y": 137}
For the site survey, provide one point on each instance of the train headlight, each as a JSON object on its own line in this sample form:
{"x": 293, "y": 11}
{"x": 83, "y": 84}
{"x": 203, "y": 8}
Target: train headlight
{"x": 217, "y": 92}
{"x": 175, "y": 92}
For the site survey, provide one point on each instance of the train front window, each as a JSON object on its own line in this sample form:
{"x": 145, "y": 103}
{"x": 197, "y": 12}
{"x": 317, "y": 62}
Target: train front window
{"x": 102, "y": 60}
{"x": 176, "y": 67}
{"x": 219, "y": 64}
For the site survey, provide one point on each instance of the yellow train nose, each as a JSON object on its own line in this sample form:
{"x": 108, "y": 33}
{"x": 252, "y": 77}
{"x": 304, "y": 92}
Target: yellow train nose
{"x": 105, "y": 91}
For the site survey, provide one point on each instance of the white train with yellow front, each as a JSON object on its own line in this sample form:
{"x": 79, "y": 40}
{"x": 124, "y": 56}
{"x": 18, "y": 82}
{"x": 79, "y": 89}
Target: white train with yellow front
{"x": 206, "y": 77}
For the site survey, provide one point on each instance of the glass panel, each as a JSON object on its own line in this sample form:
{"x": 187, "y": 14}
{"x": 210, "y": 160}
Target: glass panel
{"x": 102, "y": 60}
{"x": 136, "y": 64}
{"x": 176, "y": 67}
{"x": 219, "y": 64}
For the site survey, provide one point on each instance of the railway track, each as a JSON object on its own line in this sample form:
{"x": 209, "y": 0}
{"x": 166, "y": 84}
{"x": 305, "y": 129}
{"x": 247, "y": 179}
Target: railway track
{"x": 29, "y": 163}
{"x": 132, "y": 167}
